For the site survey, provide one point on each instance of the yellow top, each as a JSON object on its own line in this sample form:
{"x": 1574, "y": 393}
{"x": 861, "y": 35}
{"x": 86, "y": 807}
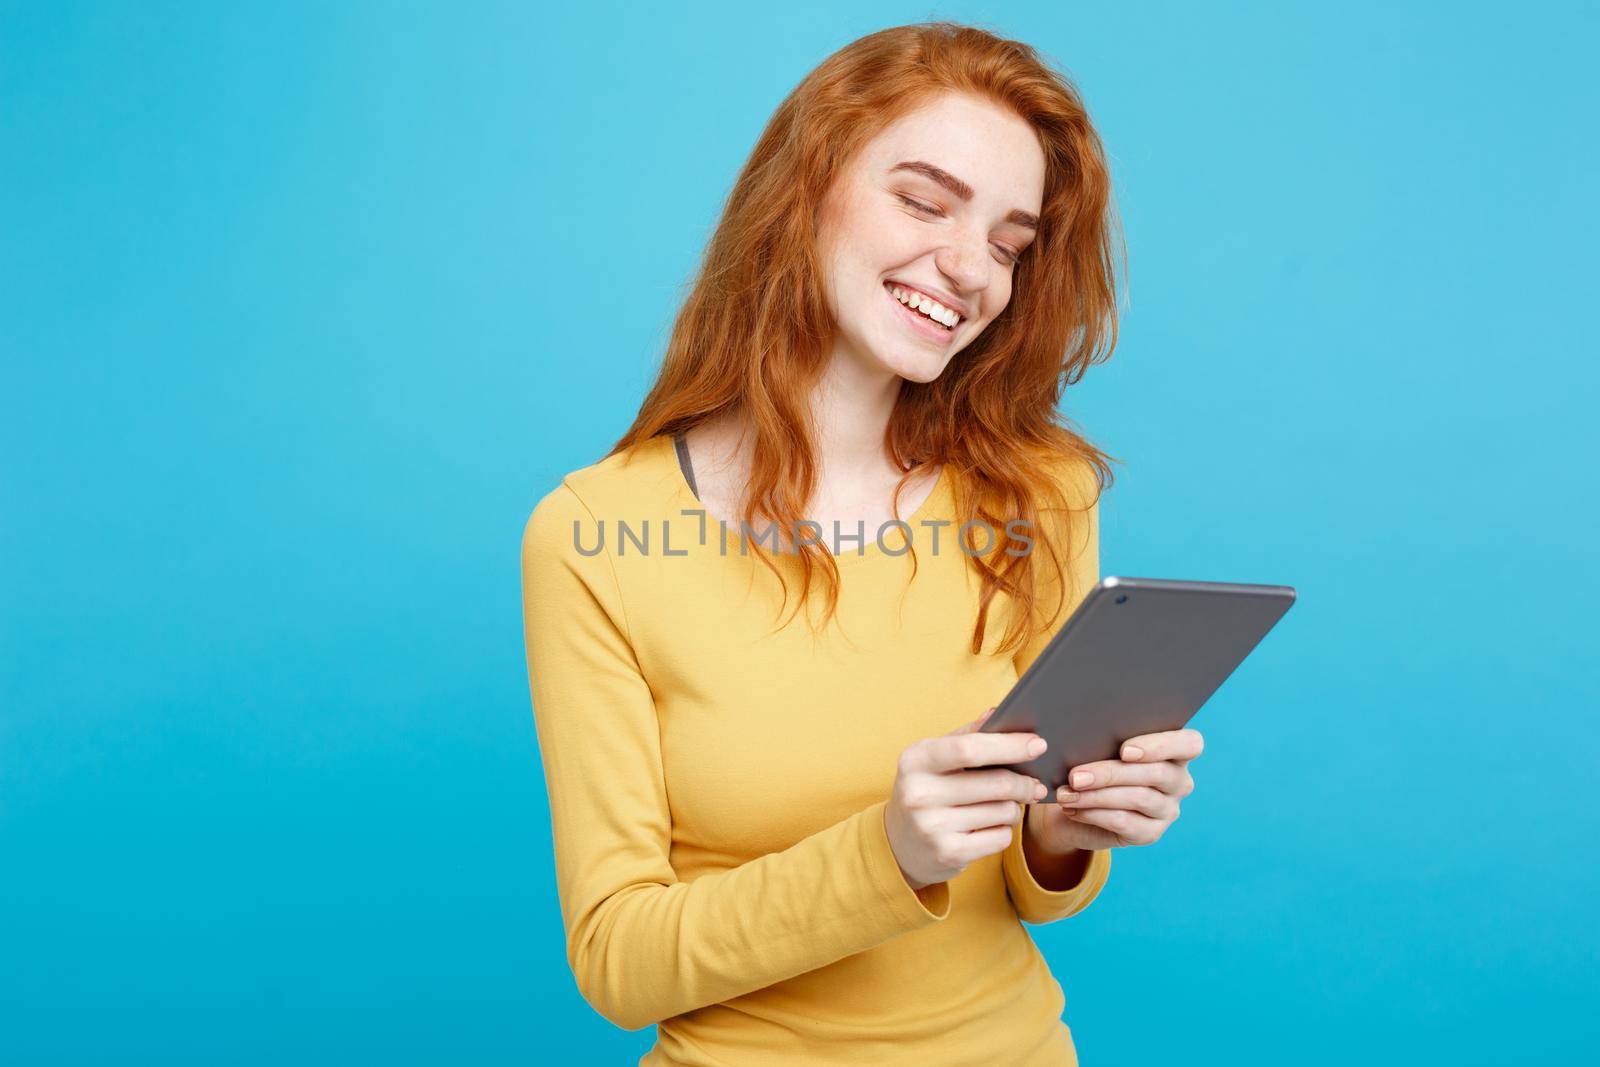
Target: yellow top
{"x": 717, "y": 785}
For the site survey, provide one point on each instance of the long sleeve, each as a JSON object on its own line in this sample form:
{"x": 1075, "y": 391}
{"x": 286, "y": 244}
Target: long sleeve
{"x": 643, "y": 945}
{"x": 1081, "y": 532}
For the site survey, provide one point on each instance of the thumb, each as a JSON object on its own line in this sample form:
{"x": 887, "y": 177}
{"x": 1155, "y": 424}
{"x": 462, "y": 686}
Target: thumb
{"x": 973, "y": 725}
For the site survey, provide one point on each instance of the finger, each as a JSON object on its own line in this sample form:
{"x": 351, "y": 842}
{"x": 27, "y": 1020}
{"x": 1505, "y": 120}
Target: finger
{"x": 1167, "y": 745}
{"x": 1139, "y": 798}
{"x": 980, "y": 816}
{"x": 1131, "y": 827}
{"x": 979, "y": 786}
{"x": 954, "y": 752}
{"x": 1167, "y": 777}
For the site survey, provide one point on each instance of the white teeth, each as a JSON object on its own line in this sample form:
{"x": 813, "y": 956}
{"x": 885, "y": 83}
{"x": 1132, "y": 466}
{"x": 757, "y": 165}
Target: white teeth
{"x": 927, "y": 305}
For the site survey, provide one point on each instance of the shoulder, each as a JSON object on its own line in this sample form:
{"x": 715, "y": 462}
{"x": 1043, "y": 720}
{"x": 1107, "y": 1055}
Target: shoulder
{"x": 552, "y": 519}
{"x": 630, "y": 484}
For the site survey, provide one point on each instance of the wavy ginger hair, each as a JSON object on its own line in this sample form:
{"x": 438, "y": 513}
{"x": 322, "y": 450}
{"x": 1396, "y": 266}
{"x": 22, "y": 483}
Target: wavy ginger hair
{"x": 755, "y": 332}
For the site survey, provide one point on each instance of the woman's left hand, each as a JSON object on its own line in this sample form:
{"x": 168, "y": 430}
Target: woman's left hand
{"x": 1129, "y": 801}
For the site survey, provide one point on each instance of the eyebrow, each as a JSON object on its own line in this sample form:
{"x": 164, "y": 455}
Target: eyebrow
{"x": 960, "y": 188}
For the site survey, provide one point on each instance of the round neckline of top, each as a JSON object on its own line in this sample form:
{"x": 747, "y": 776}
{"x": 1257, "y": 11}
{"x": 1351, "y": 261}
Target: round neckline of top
{"x": 871, "y": 549}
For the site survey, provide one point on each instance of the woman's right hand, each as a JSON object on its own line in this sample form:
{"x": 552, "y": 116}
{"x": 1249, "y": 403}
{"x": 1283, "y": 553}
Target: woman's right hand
{"x": 951, "y": 804}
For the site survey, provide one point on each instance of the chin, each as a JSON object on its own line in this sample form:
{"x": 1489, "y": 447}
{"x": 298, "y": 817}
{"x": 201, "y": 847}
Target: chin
{"x": 913, "y": 364}
{"x": 923, "y": 369}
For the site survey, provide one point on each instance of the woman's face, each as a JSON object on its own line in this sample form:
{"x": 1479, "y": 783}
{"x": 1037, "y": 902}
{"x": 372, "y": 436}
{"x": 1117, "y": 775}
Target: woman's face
{"x": 939, "y": 203}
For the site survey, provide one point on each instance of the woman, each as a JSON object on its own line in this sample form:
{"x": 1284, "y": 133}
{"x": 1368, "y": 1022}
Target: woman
{"x": 782, "y": 841}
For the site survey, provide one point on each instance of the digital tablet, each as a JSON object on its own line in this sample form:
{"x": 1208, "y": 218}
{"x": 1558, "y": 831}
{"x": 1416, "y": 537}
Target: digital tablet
{"x": 1137, "y": 656}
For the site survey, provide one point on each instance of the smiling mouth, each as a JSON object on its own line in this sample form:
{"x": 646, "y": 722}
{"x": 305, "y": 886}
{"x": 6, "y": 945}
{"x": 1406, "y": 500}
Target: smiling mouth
{"x": 923, "y": 318}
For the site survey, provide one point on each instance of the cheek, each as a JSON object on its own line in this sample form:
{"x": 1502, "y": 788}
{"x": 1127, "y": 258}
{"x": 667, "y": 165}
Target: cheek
{"x": 847, "y": 244}
{"x": 994, "y": 301}
{"x": 903, "y": 238}
{"x": 880, "y": 237}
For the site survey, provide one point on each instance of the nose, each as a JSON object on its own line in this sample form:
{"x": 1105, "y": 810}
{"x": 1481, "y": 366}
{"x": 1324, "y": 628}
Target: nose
{"x": 965, "y": 261}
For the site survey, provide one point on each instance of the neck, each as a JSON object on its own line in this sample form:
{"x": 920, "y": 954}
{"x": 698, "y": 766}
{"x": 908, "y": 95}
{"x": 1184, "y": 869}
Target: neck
{"x": 850, "y": 410}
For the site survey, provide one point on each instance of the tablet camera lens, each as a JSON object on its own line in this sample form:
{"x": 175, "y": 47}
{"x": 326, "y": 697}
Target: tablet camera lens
{"x": 1123, "y": 599}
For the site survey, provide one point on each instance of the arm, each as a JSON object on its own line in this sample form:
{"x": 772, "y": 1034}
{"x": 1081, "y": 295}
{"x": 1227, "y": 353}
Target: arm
{"x": 1044, "y": 886}
{"x": 643, "y": 945}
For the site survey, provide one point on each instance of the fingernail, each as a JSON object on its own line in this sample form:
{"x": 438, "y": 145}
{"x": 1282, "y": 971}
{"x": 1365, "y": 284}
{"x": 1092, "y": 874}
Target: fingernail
{"x": 1066, "y": 796}
{"x": 1039, "y": 790}
{"x": 1132, "y": 752}
{"x": 1036, "y": 746}
{"x": 1082, "y": 778}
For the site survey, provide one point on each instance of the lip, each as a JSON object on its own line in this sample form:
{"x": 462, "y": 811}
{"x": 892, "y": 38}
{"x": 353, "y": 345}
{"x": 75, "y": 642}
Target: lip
{"x": 921, "y": 323}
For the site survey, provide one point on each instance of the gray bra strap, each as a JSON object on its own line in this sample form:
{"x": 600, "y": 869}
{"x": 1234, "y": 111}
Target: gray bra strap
{"x": 682, "y": 445}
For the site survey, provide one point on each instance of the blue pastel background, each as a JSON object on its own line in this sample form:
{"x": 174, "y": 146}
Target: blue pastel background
{"x": 304, "y": 306}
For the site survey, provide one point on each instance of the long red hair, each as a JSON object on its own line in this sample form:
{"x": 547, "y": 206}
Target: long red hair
{"x": 754, "y": 332}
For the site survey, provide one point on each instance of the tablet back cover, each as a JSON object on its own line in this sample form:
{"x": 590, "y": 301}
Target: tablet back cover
{"x": 1138, "y": 656}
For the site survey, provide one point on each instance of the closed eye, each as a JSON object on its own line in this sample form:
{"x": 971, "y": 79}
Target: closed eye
{"x": 918, "y": 204}
{"x": 1011, "y": 257}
